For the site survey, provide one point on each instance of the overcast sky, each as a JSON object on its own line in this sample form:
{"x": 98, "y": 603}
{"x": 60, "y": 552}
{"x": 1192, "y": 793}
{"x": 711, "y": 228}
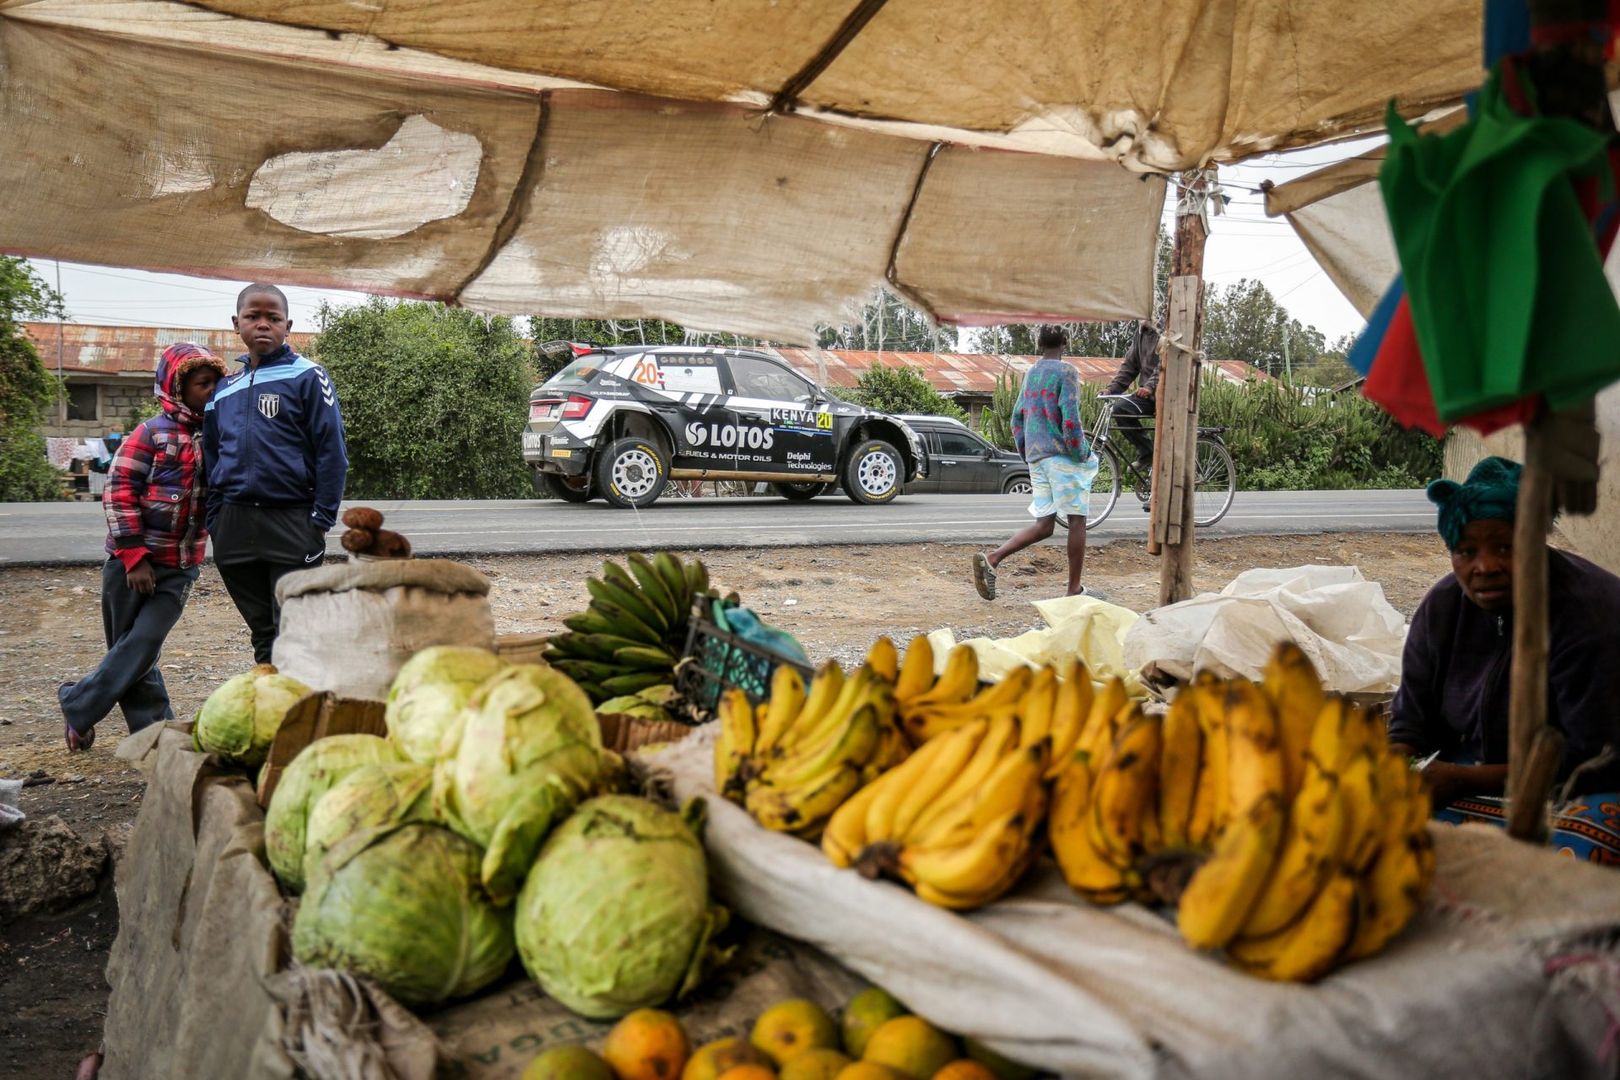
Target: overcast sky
{"x": 1243, "y": 243}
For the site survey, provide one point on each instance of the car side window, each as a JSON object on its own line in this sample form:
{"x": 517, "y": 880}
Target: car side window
{"x": 957, "y": 444}
{"x": 758, "y": 378}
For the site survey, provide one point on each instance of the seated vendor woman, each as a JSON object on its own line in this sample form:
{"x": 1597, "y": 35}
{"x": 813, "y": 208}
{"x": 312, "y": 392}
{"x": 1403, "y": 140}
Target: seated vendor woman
{"x": 1455, "y": 670}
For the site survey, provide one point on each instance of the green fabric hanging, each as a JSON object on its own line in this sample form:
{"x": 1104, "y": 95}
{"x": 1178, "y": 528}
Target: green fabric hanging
{"x": 1506, "y": 288}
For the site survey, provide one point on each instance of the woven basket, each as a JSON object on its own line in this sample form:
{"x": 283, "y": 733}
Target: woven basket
{"x": 626, "y": 733}
{"x": 521, "y": 648}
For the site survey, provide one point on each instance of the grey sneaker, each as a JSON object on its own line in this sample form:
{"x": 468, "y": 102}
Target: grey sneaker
{"x": 984, "y": 576}
{"x": 1091, "y": 594}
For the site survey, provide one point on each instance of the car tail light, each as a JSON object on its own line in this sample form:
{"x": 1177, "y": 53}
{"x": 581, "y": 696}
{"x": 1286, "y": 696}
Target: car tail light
{"x": 576, "y": 407}
{"x": 540, "y": 410}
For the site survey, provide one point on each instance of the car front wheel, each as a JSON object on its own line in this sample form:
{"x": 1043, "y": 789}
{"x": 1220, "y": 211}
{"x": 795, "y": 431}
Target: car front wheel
{"x": 1018, "y": 485}
{"x": 874, "y": 473}
{"x": 631, "y": 473}
{"x": 799, "y": 492}
{"x": 574, "y": 489}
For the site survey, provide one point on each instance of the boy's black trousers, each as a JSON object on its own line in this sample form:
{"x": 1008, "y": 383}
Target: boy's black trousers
{"x": 255, "y": 547}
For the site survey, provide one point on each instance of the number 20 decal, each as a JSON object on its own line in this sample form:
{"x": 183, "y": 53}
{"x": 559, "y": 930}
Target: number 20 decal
{"x": 648, "y": 373}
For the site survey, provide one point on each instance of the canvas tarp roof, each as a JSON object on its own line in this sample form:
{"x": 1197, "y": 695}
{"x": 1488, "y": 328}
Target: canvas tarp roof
{"x": 604, "y": 159}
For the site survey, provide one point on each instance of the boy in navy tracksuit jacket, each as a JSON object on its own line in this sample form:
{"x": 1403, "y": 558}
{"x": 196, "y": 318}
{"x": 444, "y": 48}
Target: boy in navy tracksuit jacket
{"x": 273, "y": 441}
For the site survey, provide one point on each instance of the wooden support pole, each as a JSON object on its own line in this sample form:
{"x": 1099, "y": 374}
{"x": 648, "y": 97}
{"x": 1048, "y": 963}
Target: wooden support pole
{"x": 1527, "y": 788}
{"x": 1174, "y": 447}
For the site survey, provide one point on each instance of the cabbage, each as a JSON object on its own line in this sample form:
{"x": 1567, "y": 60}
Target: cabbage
{"x": 391, "y": 793}
{"x": 309, "y": 776}
{"x": 518, "y": 758}
{"x": 615, "y": 914}
{"x": 403, "y": 906}
{"x": 240, "y": 718}
{"x": 429, "y": 691}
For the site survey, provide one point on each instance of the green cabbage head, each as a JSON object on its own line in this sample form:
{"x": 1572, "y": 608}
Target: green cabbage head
{"x": 370, "y": 797}
{"x": 615, "y": 914}
{"x": 240, "y": 718}
{"x": 403, "y": 906}
{"x": 306, "y": 779}
{"x": 429, "y": 691}
{"x": 518, "y": 758}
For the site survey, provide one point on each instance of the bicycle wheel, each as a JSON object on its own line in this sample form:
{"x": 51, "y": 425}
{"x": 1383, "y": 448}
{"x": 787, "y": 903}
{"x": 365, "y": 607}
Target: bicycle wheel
{"x": 1104, "y": 487}
{"x": 1214, "y": 483}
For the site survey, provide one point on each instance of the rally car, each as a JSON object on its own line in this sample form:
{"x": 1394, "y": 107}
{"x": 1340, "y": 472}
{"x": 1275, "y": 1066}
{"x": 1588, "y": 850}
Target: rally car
{"x": 622, "y": 422}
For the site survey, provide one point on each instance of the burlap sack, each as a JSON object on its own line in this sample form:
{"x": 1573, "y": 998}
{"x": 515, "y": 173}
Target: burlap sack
{"x": 349, "y": 626}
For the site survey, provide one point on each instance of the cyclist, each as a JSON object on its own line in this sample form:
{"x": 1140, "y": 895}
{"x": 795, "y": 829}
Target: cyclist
{"x": 1051, "y": 437}
{"x": 1141, "y": 364}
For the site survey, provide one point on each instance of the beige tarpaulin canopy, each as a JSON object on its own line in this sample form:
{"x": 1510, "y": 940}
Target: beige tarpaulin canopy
{"x": 750, "y": 165}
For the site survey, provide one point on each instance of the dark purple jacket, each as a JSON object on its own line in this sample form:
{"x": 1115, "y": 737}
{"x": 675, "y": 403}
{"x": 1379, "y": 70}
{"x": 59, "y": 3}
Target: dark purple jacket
{"x": 1454, "y": 673}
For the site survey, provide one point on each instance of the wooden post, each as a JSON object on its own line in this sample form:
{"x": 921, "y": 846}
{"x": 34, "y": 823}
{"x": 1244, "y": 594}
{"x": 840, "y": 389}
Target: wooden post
{"x": 1174, "y": 446}
{"x": 1527, "y": 787}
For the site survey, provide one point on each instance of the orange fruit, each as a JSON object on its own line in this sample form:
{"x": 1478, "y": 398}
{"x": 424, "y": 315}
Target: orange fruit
{"x": 866, "y": 1070}
{"x": 568, "y": 1063}
{"x": 964, "y": 1069}
{"x": 748, "y": 1072}
{"x": 912, "y": 1046}
{"x": 721, "y": 1055}
{"x": 821, "y": 1063}
{"x": 1004, "y": 1068}
{"x": 648, "y": 1044}
{"x": 866, "y": 1012}
{"x": 789, "y": 1028}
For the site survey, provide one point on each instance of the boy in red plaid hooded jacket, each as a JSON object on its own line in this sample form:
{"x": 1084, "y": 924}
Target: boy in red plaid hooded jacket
{"x": 155, "y": 505}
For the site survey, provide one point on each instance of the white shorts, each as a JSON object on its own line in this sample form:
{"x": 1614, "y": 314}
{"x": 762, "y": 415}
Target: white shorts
{"x": 1061, "y": 486}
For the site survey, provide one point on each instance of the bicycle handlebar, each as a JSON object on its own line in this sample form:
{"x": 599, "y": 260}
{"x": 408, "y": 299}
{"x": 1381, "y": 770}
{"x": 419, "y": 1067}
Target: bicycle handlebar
{"x": 1115, "y": 397}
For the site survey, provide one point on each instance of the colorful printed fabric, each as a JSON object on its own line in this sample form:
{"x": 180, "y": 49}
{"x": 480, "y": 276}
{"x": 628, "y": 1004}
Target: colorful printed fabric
{"x": 1503, "y": 273}
{"x": 1047, "y": 422}
{"x": 155, "y": 496}
{"x": 1062, "y": 487}
{"x": 1491, "y": 493}
{"x": 1587, "y": 828}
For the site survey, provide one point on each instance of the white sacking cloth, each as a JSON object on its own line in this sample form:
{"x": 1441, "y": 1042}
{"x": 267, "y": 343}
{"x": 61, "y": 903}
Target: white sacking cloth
{"x": 1339, "y": 618}
{"x": 1507, "y": 972}
{"x": 1080, "y": 626}
{"x": 10, "y": 792}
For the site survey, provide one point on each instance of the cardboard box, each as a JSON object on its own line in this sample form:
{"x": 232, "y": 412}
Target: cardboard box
{"x": 315, "y": 717}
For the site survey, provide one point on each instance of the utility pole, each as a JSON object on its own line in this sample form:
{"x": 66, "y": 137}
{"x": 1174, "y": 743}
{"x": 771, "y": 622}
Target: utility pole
{"x": 1176, "y": 421}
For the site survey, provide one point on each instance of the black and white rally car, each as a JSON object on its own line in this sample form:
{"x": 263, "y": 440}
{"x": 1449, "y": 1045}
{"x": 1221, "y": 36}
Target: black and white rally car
{"x": 622, "y": 422}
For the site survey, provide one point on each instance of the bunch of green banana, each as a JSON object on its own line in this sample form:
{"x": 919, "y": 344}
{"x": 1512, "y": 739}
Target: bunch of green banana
{"x": 1306, "y": 837}
{"x": 649, "y": 704}
{"x": 956, "y": 821}
{"x": 796, "y": 757}
{"x": 634, "y": 631}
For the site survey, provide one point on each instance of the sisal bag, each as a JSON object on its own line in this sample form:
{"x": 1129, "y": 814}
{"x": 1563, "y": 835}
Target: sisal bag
{"x": 348, "y": 627}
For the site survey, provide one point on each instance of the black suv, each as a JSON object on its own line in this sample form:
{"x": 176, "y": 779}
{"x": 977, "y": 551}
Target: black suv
{"x": 961, "y": 462}
{"x": 622, "y": 422}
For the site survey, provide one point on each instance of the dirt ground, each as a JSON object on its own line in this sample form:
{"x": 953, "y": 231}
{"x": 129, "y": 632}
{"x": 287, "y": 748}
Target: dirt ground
{"x": 835, "y": 600}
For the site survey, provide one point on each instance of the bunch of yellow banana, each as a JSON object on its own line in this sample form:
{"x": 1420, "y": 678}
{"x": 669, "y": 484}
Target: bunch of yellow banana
{"x": 1050, "y": 702}
{"x": 1315, "y": 832}
{"x": 797, "y": 756}
{"x": 956, "y": 821}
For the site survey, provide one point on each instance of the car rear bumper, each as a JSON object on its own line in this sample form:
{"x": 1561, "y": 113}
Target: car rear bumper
{"x": 544, "y": 452}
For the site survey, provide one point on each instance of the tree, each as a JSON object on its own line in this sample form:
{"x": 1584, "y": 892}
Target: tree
{"x": 1245, "y": 322}
{"x": 26, "y": 388}
{"x": 888, "y": 324}
{"x": 435, "y": 400}
{"x": 901, "y": 390}
{"x": 1085, "y": 338}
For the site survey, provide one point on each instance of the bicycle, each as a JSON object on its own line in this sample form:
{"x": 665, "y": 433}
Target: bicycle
{"x": 1215, "y": 475}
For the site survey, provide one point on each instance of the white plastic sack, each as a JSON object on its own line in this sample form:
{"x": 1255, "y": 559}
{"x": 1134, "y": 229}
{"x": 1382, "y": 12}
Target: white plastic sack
{"x": 348, "y": 627}
{"x": 1080, "y": 626}
{"x": 1340, "y": 619}
{"x": 1507, "y": 972}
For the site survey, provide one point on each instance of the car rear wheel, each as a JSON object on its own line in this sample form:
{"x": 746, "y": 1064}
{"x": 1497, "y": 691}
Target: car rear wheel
{"x": 574, "y": 489}
{"x": 1018, "y": 485}
{"x": 631, "y": 473}
{"x": 874, "y": 473}
{"x": 799, "y": 492}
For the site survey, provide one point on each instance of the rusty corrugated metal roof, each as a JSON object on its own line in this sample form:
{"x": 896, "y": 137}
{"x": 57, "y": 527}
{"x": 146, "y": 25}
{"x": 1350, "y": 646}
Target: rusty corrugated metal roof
{"x": 966, "y": 373}
{"x": 129, "y": 350}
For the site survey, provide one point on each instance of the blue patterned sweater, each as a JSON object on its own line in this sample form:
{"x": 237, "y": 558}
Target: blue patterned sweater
{"x": 1047, "y": 422}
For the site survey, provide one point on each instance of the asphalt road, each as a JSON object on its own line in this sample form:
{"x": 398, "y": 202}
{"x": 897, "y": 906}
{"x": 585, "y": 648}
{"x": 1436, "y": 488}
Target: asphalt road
{"x": 34, "y": 533}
